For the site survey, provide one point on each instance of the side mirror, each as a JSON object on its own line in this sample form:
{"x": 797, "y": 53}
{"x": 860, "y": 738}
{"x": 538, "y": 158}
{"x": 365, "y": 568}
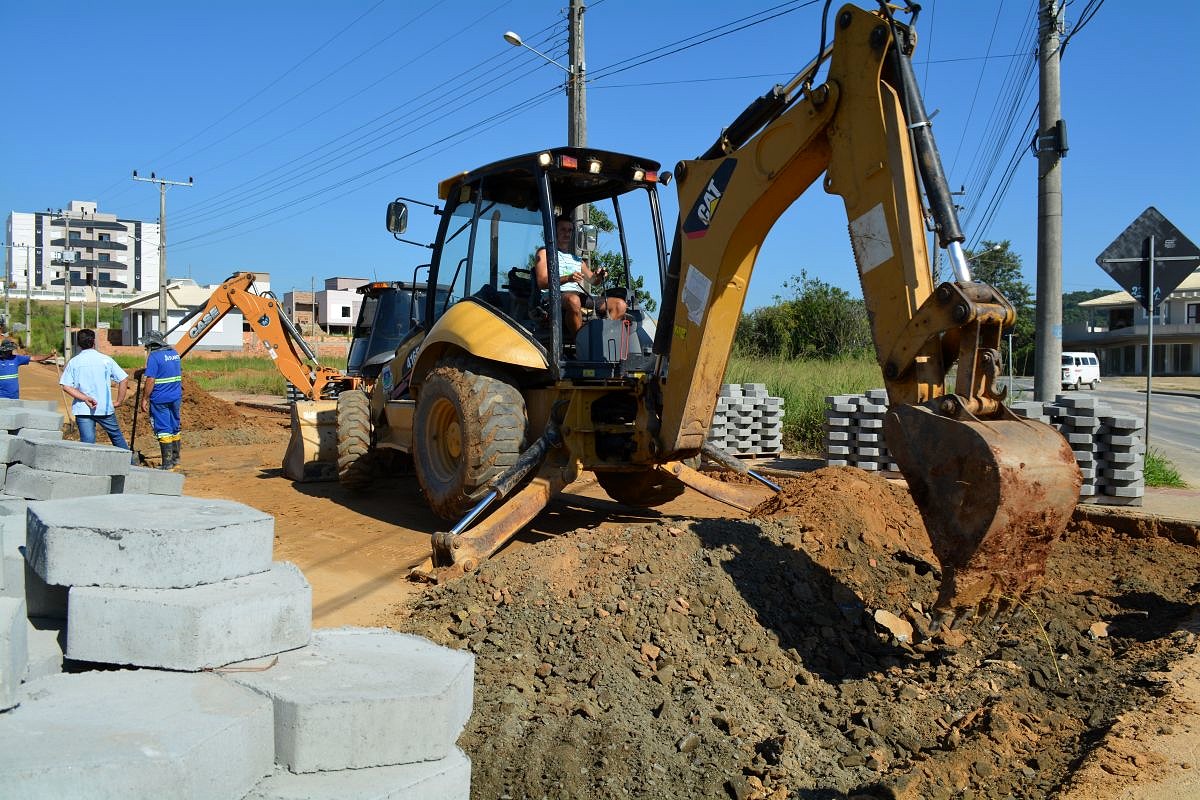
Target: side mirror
{"x": 586, "y": 238}
{"x": 397, "y": 217}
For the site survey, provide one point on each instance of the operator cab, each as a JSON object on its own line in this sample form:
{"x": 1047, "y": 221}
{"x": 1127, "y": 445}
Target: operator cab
{"x": 389, "y": 313}
{"x": 496, "y": 219}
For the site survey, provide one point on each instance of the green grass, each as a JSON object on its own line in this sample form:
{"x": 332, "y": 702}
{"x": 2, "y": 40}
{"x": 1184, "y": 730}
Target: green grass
{"x": 804, "y": 385}
{"x": 1161, "y": 472}
{"x": 47, "y": 321}
{"x": 245, "y": 374}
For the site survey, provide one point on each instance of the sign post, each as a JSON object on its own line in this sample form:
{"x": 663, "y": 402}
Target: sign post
{"x": 1149, "y": 260}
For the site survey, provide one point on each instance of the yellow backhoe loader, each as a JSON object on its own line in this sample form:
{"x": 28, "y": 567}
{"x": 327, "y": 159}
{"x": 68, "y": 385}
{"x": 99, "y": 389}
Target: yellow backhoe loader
{"x": 500, "y": 413}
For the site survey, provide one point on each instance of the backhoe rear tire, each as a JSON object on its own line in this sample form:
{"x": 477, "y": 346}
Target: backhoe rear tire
{"x": 642, "y": 489}
{"x": 469, "y": 426}
{"x": 355, "y": 459}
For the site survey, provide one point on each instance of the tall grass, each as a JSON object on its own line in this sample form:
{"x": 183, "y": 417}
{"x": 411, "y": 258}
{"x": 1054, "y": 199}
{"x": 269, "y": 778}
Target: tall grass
{"x": 1161, "y": 472}
{"x": 47, "y": 321}
{"x": 244, "y": 374}
{"x": 803, "y": 385}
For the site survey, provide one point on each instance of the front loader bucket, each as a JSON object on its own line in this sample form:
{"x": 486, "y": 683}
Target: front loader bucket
{"x": 994, "y": 496}
{"x": 311, "y": 453}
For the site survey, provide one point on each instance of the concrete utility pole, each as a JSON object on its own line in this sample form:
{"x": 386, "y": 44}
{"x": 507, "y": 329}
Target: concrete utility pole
{"x": 66, "y": 272}
{"x": 163, "y": 183}
{"x": 1051, "y": 144}
{"x": 576, "y": 84}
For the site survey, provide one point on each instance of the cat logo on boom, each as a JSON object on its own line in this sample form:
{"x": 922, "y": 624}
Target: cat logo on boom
{"x": 702, "y": 214}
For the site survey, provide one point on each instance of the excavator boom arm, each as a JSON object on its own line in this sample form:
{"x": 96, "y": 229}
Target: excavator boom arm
{"x": 270, "y": 324}
{"x": 1002, "y": 476}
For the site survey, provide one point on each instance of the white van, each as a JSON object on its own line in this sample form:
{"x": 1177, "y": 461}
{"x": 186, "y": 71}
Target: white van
{"x": 1080, "y": 368}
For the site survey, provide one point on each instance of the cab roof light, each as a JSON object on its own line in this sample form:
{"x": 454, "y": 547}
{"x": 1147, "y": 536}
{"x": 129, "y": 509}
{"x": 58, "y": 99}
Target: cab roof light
{"x": 651, "y": 176}
{"x": 568, "y": 162}
{"x": 593, "y": 166}
{"x": 639, "y": 174}
{"x": 544, "y": 159}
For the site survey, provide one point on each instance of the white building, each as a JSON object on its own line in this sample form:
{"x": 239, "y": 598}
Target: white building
{"x": 117, "y": 256}
{"x": 184, "y": 297}
{"x": 336, "y": 307}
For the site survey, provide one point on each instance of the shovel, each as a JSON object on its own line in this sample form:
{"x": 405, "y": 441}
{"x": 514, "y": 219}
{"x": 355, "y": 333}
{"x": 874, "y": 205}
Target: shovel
{"x": 136, "y": 457}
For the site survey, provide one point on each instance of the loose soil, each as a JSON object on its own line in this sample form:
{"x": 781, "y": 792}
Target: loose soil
{"x": 695, "y": 652}
{"x": 742, "y": 658}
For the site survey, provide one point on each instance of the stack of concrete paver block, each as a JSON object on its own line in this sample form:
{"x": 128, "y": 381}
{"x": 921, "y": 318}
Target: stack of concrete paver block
{"x": 36, "y": 464}
{"x": 854, "y": 431}
{"x": 1108, "y": 447}
{"x": 188, "y": 584}
{"x": 1121, "y": 460}
{"x": 747, "y": 421}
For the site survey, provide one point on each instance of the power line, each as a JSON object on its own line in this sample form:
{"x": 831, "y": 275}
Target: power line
{"x": 303, "y": 172}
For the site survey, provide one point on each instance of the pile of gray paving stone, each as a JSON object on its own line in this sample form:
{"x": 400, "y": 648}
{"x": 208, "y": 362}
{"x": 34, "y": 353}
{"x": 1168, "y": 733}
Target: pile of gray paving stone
{"x": 1108, "y": 447}
{"x": 36, "y": 464}
{"x": 747, "y": 422}
{"x": 853, "y": 431}
{"x": 150, "y": 647}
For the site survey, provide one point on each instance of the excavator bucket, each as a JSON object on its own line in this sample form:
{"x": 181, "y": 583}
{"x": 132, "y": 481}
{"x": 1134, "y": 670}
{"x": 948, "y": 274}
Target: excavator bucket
{"x": 311, "y": 453}
{"x": 994, "y": 496}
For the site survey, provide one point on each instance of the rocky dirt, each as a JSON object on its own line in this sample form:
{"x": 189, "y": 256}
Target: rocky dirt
{"x": 773, "y": 657}
{"x": 697, "y": 653}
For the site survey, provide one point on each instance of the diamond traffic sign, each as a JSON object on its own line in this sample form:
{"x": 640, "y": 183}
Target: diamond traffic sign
{"x": 1127, "y": 259}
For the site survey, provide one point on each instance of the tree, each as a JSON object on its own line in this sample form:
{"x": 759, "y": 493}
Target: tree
{"x": 1072, "y": 313}
{"x": 996, "y": 264}
{"x": 614, "y": 263}
{"x": 819, "y": 321}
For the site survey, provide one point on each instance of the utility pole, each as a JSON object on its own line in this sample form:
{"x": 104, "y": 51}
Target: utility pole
{"x": 66, "y": 272}
{"x": 1050, "y": 146}
{"x": 29, "y": 298}
{"x": 576, "y": 84}
{"x": 163, "y": 183}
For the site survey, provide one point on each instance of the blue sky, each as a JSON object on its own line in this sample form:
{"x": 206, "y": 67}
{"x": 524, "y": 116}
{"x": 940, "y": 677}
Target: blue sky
{"x": 300, "y": 121}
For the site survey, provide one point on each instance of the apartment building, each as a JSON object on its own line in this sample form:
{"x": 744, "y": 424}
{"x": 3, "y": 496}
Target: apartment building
{"x": 84, "y": 246}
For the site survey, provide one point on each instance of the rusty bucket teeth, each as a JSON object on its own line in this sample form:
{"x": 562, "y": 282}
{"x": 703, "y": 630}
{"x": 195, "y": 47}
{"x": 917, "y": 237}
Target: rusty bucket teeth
{"x": 994, "y": 495}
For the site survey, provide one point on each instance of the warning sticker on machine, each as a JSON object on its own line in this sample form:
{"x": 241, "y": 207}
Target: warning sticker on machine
{"x": 870, "y": 239}
{"x": 696, "y": 287}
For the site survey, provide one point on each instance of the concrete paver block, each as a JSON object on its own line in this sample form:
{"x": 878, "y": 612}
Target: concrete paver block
{"x": 16, "y": 417}
{"x": 14, "y": 651}
{"x": 38, "y": 484}
{"x": 46, "y": 639}
{"x": 40, "y": 405}
{"x": 12, "y": 539}
{"x": 150, "y": 542}
{"x": 191, "y": 629}
{"x": 144, "y": 480}
{"x": 446, "y": 779}
{"x": 73, "y": 457}
{"x": 365, "y": 697}
{"x": 34, "y": 433}
{"x": 125, "y": 734}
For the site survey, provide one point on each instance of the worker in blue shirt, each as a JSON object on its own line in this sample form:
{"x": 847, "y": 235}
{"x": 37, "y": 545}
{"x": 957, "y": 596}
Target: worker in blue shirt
{"x": 88, "y": 378}
{"x": 10, "y": 362}
{"x": 162, "y": 395}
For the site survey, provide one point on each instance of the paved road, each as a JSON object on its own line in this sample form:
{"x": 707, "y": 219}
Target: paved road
{"x": 1174, "y": 422}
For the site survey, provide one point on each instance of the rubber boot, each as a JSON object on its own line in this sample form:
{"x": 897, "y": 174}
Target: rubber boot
{"x": 175, "y": 454}
{"x": 167, "y": 455}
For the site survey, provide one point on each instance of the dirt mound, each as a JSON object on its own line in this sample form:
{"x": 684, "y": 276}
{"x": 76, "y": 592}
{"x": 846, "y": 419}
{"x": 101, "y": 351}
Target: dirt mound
{"x": 207, "y": 422}
{"x": 742, "y": 658}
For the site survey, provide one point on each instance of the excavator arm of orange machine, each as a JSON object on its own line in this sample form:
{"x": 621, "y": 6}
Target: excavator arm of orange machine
{"x": 312, "y": 449}
{"x": 994, "y": 490}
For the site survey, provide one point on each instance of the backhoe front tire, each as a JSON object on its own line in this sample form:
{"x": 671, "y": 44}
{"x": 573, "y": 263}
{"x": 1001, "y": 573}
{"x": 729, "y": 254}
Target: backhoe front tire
{"x": 354, "y": 462}
{"x": 469, "y": 426}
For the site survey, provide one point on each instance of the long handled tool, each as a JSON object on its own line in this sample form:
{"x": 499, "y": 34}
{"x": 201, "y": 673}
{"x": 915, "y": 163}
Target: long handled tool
{"x": 71, "y": 426}
{"x": 135, "y": 455}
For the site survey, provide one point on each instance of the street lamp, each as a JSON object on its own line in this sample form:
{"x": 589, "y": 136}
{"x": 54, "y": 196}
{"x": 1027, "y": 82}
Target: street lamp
{"x": 994, "y": 248}
{"x": 516, "y": 41}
